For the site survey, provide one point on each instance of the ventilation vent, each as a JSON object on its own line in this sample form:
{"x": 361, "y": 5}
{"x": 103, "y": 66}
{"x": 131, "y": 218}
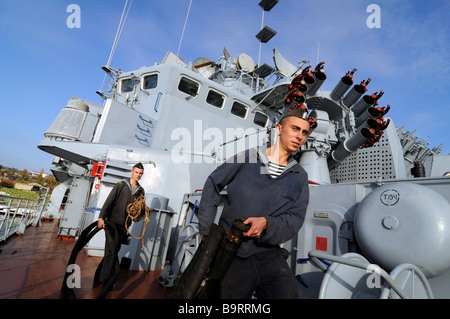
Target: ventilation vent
{"x": 366, "y": 164}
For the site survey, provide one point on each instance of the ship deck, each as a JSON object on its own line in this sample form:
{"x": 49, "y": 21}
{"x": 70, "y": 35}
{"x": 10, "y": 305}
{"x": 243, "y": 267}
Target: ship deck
{"x": 33, "y": 265}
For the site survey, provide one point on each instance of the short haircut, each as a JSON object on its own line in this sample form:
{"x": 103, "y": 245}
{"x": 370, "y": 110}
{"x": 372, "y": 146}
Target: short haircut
{"x": 138, "y": 165}
{"x": 284, "y": 120}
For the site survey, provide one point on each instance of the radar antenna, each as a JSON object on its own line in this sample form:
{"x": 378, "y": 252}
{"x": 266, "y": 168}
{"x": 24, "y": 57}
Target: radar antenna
{"x": 204, "y": 66}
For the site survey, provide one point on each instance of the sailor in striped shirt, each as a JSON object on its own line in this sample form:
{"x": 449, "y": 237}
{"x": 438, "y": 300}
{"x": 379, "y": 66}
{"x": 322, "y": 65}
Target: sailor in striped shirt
{"x": 275, "y": 169}
{"x": 268, "y": 190}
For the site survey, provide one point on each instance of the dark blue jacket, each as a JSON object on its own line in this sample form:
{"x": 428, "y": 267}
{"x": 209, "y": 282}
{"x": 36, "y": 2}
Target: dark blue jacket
{"x": 252, "y": 192}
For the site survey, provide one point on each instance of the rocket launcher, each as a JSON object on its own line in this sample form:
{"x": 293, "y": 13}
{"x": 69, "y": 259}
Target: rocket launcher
{"x": 365, "y": 102}
{"x": 343, "y": 85}
{"x": 355, "y": 93}
{"x": 319, "y": 77}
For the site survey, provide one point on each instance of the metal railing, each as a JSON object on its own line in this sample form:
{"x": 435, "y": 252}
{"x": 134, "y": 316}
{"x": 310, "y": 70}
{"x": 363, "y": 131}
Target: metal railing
{"x": 16, "y": 213}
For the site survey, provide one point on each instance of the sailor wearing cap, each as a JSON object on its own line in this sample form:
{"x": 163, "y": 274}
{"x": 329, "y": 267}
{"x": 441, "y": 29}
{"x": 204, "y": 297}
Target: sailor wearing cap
{"x": 268, "y": 190}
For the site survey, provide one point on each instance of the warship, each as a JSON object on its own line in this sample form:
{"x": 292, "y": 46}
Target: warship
{"x": 378, "y": 216}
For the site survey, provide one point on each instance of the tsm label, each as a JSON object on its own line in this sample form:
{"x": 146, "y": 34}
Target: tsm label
{"x": 390, "y": 197}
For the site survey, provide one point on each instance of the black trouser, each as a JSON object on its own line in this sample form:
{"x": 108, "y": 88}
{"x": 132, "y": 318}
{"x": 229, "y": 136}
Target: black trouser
{"x": 110, "y": 263}
{"x": 267, "y": 274}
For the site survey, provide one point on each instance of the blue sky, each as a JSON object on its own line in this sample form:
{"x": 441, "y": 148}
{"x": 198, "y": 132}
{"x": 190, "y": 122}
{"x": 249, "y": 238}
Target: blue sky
{"x": 44, "y": 63}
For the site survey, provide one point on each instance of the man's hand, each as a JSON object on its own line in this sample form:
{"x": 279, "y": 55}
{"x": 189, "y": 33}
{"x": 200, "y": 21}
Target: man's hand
{"x": 258, "y": 224}
{"x": 101, "y": 223}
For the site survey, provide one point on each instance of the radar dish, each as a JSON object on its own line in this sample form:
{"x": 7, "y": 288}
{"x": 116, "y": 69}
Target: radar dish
{"x": 204, "y": 66}
{"x": 283, "y": 65}
{"x": 245, "y": 62}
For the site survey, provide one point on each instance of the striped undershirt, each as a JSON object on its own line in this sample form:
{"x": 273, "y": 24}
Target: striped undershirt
{"x": 275, "y": 169}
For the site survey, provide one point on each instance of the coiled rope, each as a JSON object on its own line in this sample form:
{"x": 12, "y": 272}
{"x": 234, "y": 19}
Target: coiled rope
{"x": 134, "y": 211}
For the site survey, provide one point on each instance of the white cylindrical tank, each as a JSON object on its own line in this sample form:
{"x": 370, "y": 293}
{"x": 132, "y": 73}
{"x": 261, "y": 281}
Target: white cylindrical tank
{"x": 405, "y": 223}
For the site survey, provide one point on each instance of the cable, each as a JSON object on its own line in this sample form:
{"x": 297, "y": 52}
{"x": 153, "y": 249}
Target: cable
{"x": 134, "y": 211}
{"x": 119, "y": 31}
{"x": 123, "y": 18}
{"x": 67, "y": 292}
{"x": 182, "y": 33}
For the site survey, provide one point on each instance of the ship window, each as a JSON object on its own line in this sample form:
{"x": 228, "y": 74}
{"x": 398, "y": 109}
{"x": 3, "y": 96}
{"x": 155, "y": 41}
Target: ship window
{"x": 150, "y": 81}
{"x": 188, "y": 86}
{"x": 239, "y": 109}
{"x": 127, "y": 85}
{"x": 215, "y": 98}
{"x": 260, "y": 119}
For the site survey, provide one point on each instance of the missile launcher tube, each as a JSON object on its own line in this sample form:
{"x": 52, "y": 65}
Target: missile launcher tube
{"x": 370, "y": 113}
{"x": 363, "y": 104}
{"x": 320, "y": 77}
{"x": 349, "y": 146}
{"x": 344, "y": 84}
{"x": 355, "y": 93}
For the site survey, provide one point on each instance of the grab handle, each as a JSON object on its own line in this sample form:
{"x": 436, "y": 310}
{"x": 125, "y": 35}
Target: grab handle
{"x": 145, "y": 140}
